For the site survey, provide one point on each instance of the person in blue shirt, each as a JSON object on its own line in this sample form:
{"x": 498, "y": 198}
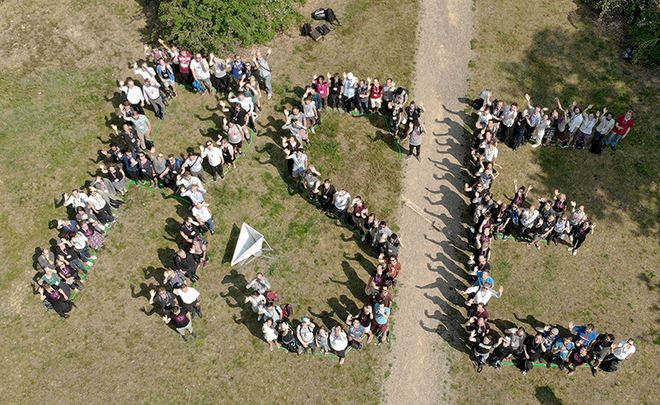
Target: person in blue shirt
{"x": 483, "y": 278}
{"x": 560, "y": 351}
{"x": 584, "y": 335}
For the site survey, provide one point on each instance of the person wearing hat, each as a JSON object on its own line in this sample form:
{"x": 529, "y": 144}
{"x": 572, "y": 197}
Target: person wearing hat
{"x": 501, "y": 351}
{"x": 305, "y": 334}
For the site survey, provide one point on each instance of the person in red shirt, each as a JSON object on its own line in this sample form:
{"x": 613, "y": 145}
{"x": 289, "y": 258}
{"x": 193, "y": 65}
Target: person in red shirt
{"x": 376, "y": 96}
{"x": 621, "y": 129}
{"x": 185, "y": 58}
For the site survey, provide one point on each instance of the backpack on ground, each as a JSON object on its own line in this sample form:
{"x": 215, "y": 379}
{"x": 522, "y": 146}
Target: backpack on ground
{"x": 305, "y": 29}
{"x": 316, "y": 34}
{"x": 320, "y": 14}
{"x": 331, "y": 17}
{"x": 323, "y": 29}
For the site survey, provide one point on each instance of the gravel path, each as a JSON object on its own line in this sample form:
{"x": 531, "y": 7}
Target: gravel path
{"x": 431, "y": 216}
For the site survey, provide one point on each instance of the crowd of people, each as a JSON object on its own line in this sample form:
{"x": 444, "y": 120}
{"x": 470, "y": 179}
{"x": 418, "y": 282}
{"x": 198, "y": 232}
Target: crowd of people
{"x": 132, "y": 157}
{"x": 564, "y": 126}
{"x": 552, "y": 219}
{"x": 372, "y": 321}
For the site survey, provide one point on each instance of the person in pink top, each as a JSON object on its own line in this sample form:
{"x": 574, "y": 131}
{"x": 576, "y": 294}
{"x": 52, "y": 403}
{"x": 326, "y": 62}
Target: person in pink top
{"x": 322, "y": 87}
{"x": 621, "y": 129}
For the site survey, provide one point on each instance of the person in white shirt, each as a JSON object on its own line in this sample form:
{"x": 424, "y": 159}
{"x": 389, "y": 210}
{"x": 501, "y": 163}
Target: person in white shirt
{"x": 193, "y": 163}
{"x": 75, "y": 200}
{"x": 213, "y": 156}
{"x": 245, "y": 102}
{"x": 133, "y": 94}
{"x": 482, "y": 294}
{"x": 186, "y": 180}
{"x": 603, "y": 129}
{"x": 491, "y": 151}
{"x": 341, "y": 201}
{"x": 260, "y": 284}
{"x": 299, "y": 163}
{"x": 144, "y": 71}
{"x": 270, "y": 333}
{"x": 152, "y": 95}
{"x": 201, "y": 72}
{"x": 190, "y": 299}
{"x": 539, "y": 130}
{"x": 203, "y": 215}
{"x": 583, "y": 135}
{"x": 619, "y": 352}
{"x": 338, "y": 343}
{"x": 99, "y": 206}
{"x": 257, "y": 302}
{"x": 195, "y": 193}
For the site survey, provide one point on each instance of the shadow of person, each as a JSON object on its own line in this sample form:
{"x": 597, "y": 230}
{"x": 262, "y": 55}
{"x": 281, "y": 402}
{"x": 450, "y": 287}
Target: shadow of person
{"x": 546, "y": 396}
{"x": 166, "y": 257}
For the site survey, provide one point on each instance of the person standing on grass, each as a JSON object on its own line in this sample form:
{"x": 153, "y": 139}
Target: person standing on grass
{"x": 203, "y": 215}
{"x": 133, "y": 94}
{"x": 577, "y": 358}
{"x": 381, "y": 317}
{"x": 533, "y": 349}
{"x": 501, "y": 351}
{"x": 341, "y": 202}
{"x": 299, "y": 159}
{"x": 151, "y": 90}
{"x": 184, "y": 58}
{"x": 482, "y": 294}
{"x": 220, "y": 76}
{"x": 190, "y": 299}
{"x": 584, "y": 335}
{"x": 165, "y": 300}
{"x": 579, "y": 234}
{"x": 143, "y": 128}
{"x": 265, "y": 71}
{"x": 482, "y": 349}
{"x": 415, "y": 139}
{"x": 237, "y": 68}
{"x": 214, "y": 158}
{"x": 586, "y": 128}
{"x": 620, "y": 352}
{"x": 187, "y": 264}
{"x": 305, "y": 334}
{"x": 336, "y": 90}
{"x": 376, "y": 96}
{"x": 234, "y": 135}
{"x": 194, "y": 164}
{"x": 603, "y": 129}
{"x": 600, "y": 348}
{"x": 260, "y": 284}
{"x": 270, "y": 333}
{"x": 181, "y": 320}
{"x": 559, "y": 352}
{"x": 621, "y": 129}
{"x": 350, "y": 91}
{"x": 201, "y": 72}
{"x": 166, "y": 76}
{"x": 57, "y": 299}
{"x": 326, "y": 195}
{"x": 338, "y": 343}
{"x": 322, "y": 87}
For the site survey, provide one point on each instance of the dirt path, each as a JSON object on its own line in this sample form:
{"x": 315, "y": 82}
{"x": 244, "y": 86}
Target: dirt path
{"x": 431, "y": 216}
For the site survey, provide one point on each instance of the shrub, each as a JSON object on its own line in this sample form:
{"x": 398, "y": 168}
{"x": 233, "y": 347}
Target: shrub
{"x": 642, "y": 19}
{"x": 218, "y": 25}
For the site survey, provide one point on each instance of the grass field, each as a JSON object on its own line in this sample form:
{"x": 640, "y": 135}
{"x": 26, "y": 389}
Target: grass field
{"x": 65, "y": 58}
{"x": 559, "y": 49}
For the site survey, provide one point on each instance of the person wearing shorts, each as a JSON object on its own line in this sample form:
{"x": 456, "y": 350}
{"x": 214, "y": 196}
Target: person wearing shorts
{"x": 381, "y": 318}
{"x": 376, "y": 96}
{"x": 338, "y": 343}
{"x": 181, "y": 320}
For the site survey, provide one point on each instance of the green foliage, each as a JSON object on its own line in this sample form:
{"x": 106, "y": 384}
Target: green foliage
{"x": 642, "y": 18}
{"x": 217, "y": 25}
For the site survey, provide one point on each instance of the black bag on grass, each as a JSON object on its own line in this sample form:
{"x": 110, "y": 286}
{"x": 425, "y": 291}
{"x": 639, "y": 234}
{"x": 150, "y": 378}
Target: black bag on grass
{"x": 331, "y": 17}
{"x": 323, "y": 29}
{"x": 316, "y": 34}
{"x": 319, "y": 14}
{"x": 305, "y": 29}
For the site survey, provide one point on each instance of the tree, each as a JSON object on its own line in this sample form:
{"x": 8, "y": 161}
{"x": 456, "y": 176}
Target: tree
{"x": 218, "y": 25}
